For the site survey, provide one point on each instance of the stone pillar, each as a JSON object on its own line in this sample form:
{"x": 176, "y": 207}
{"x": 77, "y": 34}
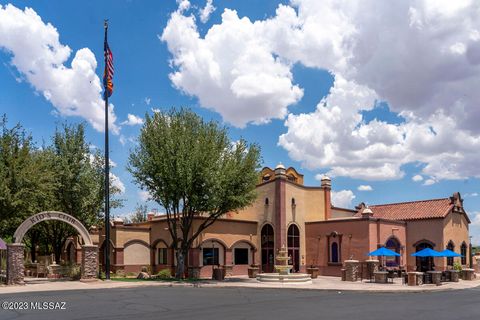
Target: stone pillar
{"x": 15, "y": 267}
{"x": 89, "y": 262}
{"x": 371, "y": 268}
{"x": 351, "y": 270}
{"x": 228, "y": 263}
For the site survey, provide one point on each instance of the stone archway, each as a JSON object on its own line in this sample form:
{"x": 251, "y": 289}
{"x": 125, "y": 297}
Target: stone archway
{"x": 15, "y": 251}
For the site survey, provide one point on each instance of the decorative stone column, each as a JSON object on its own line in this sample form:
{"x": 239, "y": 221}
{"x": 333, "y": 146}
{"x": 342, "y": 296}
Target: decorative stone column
{"x": 371, "y": 268}
{"x": 89, "y": 262}
{"x": 351, "y": 270}
{"x": 15, "y": 267}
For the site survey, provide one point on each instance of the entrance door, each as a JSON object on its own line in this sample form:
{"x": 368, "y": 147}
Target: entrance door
{"x": 293, "y": 239}
{"x": 268, "y": 258}
{"x": 424, "y": 264}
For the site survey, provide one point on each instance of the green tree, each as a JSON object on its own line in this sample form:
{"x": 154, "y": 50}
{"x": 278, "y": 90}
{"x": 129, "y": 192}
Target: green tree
{"x": 25, "y": 181}
{"x": 140, "y": 214}
{"x": 78, "y": 187}
{"x": 192, "y": 169}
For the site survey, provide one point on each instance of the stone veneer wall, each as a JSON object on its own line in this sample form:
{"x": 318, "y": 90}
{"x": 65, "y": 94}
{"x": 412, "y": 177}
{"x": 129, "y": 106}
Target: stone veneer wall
{"x": 89, "y": 261}
{"x": 15, "y": 267}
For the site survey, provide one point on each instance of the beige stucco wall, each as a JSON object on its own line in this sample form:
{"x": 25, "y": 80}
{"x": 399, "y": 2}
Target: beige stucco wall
{"x": 122, "y": 235}
{"x": 258, "y": 211}
{"x": 455, "y": 229}
{"x": 136, "y": 254}
{"x": 429, "y": 229}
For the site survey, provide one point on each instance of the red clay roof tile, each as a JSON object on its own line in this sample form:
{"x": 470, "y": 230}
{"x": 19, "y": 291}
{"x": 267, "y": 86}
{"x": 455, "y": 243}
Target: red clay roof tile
{"x": 424, "y": 209}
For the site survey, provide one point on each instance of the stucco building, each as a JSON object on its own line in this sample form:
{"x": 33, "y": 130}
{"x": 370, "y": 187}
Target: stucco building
{"x": 302, "y": 218}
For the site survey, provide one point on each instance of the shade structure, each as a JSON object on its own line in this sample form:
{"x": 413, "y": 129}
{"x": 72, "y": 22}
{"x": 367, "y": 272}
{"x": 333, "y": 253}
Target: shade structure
{"x": 3, "y": 245}
{"x": 384, "y": 252}
{"x": 427, "y": 252}
{"x": 449, "y": 253}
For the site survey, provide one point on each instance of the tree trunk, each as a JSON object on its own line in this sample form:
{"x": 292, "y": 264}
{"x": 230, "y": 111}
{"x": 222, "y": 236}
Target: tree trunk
{"x": 180, "y": 268}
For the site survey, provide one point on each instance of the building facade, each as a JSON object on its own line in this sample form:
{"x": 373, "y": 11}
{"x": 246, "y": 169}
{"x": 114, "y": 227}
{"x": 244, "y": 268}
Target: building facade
{"x": 301, "y": 218}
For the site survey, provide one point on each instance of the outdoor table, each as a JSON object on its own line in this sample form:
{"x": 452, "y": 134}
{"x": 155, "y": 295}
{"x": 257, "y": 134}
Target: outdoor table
{"x": 468, "y": 274}
{"x": 436, "y": 277}
{"x": 380, "y": 276}
{"x": 453, "y": 275}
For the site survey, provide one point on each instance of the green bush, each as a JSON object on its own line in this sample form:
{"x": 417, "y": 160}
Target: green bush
{"x": 457, "y": 266}
{"x": 164, "y": 274}
{"x": 74, "y": 272}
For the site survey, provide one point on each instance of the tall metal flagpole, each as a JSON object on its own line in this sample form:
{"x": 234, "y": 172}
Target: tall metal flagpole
{"x": 107, "y": 172}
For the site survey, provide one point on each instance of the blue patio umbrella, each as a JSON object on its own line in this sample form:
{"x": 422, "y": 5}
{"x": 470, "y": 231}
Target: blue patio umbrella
{"x": 384, "y": 252}
{"x": 449, "y": 253}
{"x": 427, "y": 252}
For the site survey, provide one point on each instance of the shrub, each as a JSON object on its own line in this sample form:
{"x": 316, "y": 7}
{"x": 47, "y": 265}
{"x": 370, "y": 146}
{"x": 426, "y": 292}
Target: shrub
{"x": 457, "y": 266}
{"x": 164, "y": 274}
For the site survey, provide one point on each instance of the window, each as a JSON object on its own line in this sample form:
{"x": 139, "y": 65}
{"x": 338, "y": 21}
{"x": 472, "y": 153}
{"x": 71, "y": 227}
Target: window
{"x": 162, "y": 255}
{"x": 241, "y": 256}
{"x": 210, "y": 256}
{"x": 334, "y": 256}
{"x": 463, "y": 252}
{"x": 451, "y": 247}
{"x": 266, "y": 201}
{"x": 293, "y": 202}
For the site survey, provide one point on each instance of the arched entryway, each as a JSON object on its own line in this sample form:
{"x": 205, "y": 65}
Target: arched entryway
{"x": 424, "y": 264}
{"x": 293, "y": 241}
{"x": 268, "y": 247}
{"x": 393, "y": 244}
{"x": 15, "y": 251}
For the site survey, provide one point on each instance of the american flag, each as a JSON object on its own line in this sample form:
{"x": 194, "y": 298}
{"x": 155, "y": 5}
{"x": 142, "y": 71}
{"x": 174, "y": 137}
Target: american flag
{"x": 108, "y": 73}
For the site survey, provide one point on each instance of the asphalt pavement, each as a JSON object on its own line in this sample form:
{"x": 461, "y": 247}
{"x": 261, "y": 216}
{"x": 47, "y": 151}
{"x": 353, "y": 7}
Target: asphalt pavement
{"x": 239, "y": 303}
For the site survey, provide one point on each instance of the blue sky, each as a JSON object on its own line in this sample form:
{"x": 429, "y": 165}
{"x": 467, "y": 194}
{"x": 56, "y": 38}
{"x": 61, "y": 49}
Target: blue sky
{"x": 328, "y": 89}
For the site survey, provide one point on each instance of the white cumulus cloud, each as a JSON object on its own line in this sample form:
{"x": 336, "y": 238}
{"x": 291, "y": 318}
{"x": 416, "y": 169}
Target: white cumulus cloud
{"x": 417, "y": 178}
{"x": 364, "y": 188}
{"x": 40, "y": 57}
{"x": 231, "y": 70}
{"x": 343, "y": 198}
{"x": 132, "y": 120}
{"x": 206, "y": 11}
{"x": 116, "y": 182}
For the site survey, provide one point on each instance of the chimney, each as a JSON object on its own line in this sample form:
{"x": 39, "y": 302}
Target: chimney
{"x": 150, "y": 216}
{"x": 367, "y": 212}
{"x": 326, "y": 184}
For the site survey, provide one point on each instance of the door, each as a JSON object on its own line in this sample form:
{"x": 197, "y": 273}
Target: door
{"x": 267, "y": 241}
{"x": 293, "y": 240}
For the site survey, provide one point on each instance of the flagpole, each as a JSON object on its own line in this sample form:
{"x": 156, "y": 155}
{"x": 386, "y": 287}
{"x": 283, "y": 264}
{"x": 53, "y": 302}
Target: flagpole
{"x": 107, "y": 173}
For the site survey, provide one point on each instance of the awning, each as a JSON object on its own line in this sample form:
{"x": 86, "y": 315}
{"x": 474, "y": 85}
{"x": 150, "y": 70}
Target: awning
{"x": 427, "y": 252}
{"x": 449, "y": 253}
{"x": 384, "y": 252}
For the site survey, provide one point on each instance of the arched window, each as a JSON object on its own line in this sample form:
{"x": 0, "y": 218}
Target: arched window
{"x": 266, "y": 201}
{"x": 293, "y": 202}
{"x": 450, "y": 246}
{"x": 394, "y": 245}
{"x": 293, "y": 241}
{"x": 266, "y": 177}
{"x": 334, "y": 252}
{"x": 268, "y": 244}
{"x": 463, "y": 252}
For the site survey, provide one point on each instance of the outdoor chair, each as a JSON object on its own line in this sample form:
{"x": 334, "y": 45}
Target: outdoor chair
{"x": 41, "y": 269}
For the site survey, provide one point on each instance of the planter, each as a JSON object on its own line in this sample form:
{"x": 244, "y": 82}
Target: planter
{"x": 218, "y": 274}
{"x": 313, "y": 272}
{"x": 253, "y": 271}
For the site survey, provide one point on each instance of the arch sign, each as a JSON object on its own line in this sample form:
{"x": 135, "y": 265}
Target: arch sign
{"x": 15, "y": 251}
{"x": 52, "y": 215}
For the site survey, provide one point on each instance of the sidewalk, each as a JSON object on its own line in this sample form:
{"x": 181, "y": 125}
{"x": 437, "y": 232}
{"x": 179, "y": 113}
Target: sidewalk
{"x": 321, "y": 283}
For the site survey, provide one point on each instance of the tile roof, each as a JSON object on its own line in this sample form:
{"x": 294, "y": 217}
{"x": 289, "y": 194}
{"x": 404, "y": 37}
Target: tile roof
{"x": 414, "y": 210}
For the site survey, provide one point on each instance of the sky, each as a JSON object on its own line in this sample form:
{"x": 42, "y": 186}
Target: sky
{"x": 380, "y": 96}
